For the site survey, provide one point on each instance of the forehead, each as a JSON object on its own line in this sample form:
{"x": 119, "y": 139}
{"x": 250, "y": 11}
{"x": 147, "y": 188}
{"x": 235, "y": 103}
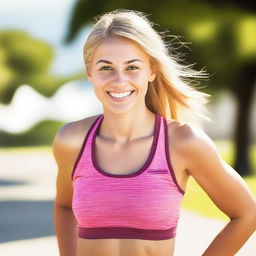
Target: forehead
{"x": 119, "y": 49}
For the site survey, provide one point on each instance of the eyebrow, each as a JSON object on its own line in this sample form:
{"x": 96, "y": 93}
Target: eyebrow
{"x": 109, "y": 62}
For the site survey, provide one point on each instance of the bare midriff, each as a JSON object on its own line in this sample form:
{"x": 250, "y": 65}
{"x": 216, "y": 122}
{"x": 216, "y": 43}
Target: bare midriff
{"x": 125, "y": 247}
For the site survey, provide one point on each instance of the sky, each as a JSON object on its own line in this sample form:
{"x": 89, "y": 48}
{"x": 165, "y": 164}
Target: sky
{"x": 46, "y": 20}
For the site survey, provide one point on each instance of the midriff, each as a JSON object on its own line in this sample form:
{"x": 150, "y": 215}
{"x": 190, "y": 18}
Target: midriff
{"x": 125, "y": 247}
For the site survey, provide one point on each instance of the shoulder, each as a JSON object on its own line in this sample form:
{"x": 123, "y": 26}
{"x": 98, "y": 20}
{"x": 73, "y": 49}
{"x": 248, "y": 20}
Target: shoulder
{"x": 181, "y": 134}
{"x": 70, "y": 133}
{"x": 66, "y": 146}
{"x": 69, "y": 138}
{"x": 187, "y": 135}
{"x": 191, "y": 142}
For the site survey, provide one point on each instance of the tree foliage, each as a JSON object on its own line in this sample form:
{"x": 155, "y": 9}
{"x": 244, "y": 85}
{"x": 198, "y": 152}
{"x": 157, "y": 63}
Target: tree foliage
{"x": 26, "y": 60}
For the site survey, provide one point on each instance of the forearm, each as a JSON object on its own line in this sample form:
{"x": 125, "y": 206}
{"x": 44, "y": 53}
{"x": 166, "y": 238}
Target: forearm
{"x": 231, "y": 238}
{"x": 66, "y": 230}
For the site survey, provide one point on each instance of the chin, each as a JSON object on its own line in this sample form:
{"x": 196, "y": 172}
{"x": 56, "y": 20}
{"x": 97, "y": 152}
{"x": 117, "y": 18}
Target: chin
{"x": 117, "y": 110}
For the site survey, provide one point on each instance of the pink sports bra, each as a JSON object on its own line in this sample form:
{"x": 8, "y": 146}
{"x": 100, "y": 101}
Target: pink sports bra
{"x": 141, "y": 205}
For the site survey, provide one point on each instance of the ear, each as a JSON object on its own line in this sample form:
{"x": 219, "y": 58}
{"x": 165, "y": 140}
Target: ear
{"x": 152, "y": 70}
{"x": 89, "y": 77}
{"x": 152, "y": 75}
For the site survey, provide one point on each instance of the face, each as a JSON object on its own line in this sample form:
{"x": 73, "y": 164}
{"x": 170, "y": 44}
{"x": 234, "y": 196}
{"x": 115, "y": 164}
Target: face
{"x": 120, "y": 72}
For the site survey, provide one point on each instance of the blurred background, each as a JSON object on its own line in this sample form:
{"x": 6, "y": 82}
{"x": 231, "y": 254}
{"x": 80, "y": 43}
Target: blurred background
{"x": 43, "y": 86}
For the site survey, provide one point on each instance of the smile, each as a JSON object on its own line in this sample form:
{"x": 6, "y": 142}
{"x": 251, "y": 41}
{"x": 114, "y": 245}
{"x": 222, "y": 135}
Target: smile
{"x": 121, "y": 95}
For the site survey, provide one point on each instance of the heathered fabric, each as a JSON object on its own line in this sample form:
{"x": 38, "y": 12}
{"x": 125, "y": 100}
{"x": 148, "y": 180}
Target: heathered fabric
{"x": 141, "y": 205}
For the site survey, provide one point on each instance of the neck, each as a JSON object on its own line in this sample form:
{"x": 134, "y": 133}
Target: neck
{"x": 126, "y": 127}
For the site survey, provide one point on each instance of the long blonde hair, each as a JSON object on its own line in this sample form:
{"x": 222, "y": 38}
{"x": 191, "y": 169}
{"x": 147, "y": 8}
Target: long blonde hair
{"x": 171, "y": 94}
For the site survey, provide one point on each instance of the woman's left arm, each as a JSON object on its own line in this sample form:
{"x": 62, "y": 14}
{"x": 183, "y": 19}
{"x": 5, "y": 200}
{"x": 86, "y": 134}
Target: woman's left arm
{"x": 225, "y": 187}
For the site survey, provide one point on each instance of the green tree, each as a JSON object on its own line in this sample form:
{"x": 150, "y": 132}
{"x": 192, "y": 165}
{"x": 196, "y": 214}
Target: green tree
{"x": 223, "y": 36}
{"x": 26, "y": 60}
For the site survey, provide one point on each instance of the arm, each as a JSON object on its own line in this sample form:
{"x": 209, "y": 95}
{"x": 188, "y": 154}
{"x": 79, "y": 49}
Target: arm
{"x": 64, "y": 221}
{"x": 224, "y": 186}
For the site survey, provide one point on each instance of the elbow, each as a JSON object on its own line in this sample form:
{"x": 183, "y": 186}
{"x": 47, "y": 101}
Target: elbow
{"x": 248, "y": 217}
{"x": 251, "y": 216}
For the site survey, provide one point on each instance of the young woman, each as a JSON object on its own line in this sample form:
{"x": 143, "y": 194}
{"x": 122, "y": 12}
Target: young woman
{"x": 122, "y": 174}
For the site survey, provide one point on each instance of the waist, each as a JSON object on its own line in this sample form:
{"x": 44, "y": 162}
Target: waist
{"x": 125, "y": 247}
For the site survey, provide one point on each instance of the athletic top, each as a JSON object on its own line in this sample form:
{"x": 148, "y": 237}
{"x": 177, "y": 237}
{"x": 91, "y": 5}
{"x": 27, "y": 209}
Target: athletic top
{"x": 142, "y": 205}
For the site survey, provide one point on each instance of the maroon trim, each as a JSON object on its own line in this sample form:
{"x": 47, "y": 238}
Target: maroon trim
{"x": 121, "y": 232}
{"x": 144, "y": 167}
{"x": 158, "y": 171}
{"x": 168, "y": 158}
{"x": 83, "y": 146}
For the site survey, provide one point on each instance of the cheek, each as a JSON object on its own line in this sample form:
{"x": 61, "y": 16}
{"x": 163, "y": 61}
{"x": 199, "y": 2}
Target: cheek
{"x": 139, "y": 78}
{"x": 98, "y": 92}
{"x": 99, "y": 79}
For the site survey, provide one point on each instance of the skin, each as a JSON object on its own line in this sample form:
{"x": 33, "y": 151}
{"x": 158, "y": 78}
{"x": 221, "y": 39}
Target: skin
{"x": 127, "y": 131}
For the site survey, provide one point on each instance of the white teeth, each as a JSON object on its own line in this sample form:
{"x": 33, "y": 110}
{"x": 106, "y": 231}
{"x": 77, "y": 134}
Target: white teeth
{"x": 120, "y": 95}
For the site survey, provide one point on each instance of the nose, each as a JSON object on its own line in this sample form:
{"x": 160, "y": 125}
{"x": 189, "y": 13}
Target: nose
{"x": 119, "y": 79}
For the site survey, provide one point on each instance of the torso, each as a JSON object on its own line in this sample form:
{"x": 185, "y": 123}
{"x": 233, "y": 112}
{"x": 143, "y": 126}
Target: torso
{"x": 122, "y": 247}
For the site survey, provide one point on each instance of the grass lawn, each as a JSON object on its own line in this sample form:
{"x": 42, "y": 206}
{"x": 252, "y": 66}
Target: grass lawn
{"x": 195, "y": 198}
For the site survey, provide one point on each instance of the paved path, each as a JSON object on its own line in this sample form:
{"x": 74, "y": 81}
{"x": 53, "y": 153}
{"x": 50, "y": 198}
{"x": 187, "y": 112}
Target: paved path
{"x": 27, "y": 189}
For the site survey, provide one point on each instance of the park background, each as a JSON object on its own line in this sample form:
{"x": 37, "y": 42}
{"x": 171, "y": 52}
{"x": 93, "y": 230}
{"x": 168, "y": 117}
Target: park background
{"x": 43, "y": 86}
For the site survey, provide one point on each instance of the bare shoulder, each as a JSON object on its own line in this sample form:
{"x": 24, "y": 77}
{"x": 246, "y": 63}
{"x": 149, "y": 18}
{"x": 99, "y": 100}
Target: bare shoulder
{"x": 189, "y": 142}
{"x": 177, "y": 135}
{"x": 70, "y": 136}
{"x": 185, "y": 136}
{"x": 66, "y": 146}
{"x": 194, "y": 146}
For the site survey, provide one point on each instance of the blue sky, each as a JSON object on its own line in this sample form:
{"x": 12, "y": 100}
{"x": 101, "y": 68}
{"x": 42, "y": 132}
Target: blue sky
{"x": 46, "y": 20}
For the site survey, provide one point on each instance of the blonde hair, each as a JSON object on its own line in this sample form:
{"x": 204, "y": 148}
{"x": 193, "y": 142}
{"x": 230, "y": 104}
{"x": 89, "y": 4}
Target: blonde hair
{"x": 171, "y": 94}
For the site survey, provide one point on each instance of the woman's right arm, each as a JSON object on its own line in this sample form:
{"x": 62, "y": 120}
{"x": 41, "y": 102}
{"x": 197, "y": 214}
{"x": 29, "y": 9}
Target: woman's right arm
{"x": 65, "y": 153}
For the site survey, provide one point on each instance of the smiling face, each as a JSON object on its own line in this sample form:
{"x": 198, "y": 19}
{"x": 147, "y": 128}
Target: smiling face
{"x": 120, "y": 72}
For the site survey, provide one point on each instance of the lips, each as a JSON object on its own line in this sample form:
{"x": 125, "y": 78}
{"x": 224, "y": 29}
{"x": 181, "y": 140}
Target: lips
{"x": 120, "y": 96}
{"x": 120, "y": 93}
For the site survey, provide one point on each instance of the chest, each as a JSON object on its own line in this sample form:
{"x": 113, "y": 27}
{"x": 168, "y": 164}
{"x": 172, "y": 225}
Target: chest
{"x": 122, "y": 160}
{"x": 116, "y": 159}
{"x": 149, "y": 199}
